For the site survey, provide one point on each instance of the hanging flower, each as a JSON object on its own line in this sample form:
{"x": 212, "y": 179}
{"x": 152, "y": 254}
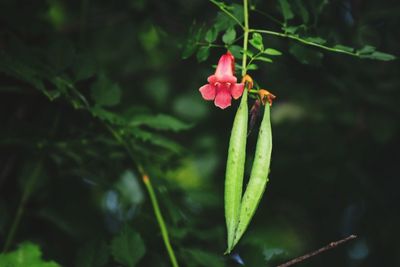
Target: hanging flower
{"x": 222, "y": 84}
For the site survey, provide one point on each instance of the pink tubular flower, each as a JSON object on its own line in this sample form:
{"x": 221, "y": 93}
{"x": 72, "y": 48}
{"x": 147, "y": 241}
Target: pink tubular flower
{"x": 222, "y": 85}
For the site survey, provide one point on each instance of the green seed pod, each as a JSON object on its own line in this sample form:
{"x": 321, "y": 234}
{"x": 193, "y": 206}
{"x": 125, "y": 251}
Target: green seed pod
{"x": 235, "y": 169}
{"x": 258, "y": 177}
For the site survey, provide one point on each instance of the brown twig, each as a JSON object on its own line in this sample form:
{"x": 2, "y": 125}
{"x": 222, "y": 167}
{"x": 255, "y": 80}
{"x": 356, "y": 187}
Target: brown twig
{"x": 314, "y": 253}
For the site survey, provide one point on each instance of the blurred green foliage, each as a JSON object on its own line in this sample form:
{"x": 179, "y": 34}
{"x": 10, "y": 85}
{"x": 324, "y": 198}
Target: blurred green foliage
{"x": 27, "y": 255}
{"x": 80, "y": 81}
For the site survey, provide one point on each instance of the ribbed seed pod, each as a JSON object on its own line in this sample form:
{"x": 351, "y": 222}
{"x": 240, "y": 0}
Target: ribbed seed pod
{"x": 235, "y": 170}
{"x": 258, "y": 177}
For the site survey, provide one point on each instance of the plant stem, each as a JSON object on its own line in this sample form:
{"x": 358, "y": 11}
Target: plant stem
{"x": 152, "y": 195}
{"x": 255, "y": 57}
{"x": 127, "y": 147}
{"x": 323, "y": 249}
{"x": 30, "y": 183}
{"x": 301, "y": 40}
{"x": 246, "y": 36}
{"x": 160, "y": 219}
{"x": 270, "y": 17}
{"x": 223, "y": 9}
{"x": 209, "y": 44}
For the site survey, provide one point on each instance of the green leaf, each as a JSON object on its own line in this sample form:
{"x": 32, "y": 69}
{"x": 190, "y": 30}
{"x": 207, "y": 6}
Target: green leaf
{"x": 93, "y": 254}
{"x": 160, "y": 122}
{"x": 189, "y": 50}
{"x": 156, "y": 140}
{"x": 128, "y": 247}
{"x": 105, "y": 93}
{"x": 194, "y": 36}
{"x": 211, "y": 35}
{"x": 203, "y": 53}
{"x": 344, "y": 48}
{"x": 369, "y": 52}
{"x": 27, "y": 255}
{"x": 256, "y": 41}
{"x": 249, "y": 53}
{"x": 272, "y": 52}
{"x": 107, "y": 116}
{"x": 252, "y": 67}
{"x": 317, "y": 40}
{"x": 237, "y": 11}
{"x": 229, "y": 36}
{"x": 25, "y": 69}
{"x": 303, "y": 11}
{"x": 379, "y": 56}
{"x": 223, "y": 21}
{"x": 286, "y": 10}
{"x": 236, "y": 51}
{"x": 368, "y": 49}
{"x": 265, "y": 59}
{"x": 291, "y": 29}
{"x": 306, "y": 55}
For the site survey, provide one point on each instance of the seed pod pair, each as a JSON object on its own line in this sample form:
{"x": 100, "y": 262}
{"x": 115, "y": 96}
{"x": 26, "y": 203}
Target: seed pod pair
{"x": 258, "y": 177}
{"x": 239, "y": 211}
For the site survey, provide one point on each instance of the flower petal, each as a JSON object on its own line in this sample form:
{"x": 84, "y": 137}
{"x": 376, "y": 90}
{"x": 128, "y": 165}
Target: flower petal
{"x": 225, "y": 68}
{"x": 223, "y": 99}
{"x": 237, "y": 90}
{"x": 208, "y": 92}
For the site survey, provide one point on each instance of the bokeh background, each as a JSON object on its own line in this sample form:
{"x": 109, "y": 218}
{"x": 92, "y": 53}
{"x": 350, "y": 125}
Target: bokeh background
{"x": 335, "y": 123}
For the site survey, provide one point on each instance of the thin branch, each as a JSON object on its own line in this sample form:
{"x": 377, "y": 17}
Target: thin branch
{"x": 85, "y": 104}
{"x": 238, "y": 38}
{"x": 245, "y": 37}
{"x": 223, "y": 9}
{"x": 210, "y": 44}
{"x": 314, "y": 253}
{"x": 160, "y": 219}
{"x": 254, "y": 58}
{"x": 29, "y": 185}
{"x": 304, "y": 41}
{"x": 152, "y": 195}
{"x": 270, "y": 17}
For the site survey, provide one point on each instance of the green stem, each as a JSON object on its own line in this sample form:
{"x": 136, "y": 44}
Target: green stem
{"x": 255, "y": 57}
{"x": 237, "y": 39}
{"x": 223, "y": 9}
{"x": 153, "y": 198}
{"x": 301, "y": 40}
{"x": 270, "y": 17}
{"x": 246, "y": 37}
{"x": 30, "y": 183}
{"x": 209, "y": 44}
{"x": 160, "y": 220}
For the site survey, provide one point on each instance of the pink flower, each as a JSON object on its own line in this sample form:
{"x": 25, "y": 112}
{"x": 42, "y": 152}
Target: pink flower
{"x": 222, "y": 84}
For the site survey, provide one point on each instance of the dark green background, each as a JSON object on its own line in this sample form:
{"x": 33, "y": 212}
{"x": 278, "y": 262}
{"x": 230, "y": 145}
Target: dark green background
{"x": 335, "y": 122}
